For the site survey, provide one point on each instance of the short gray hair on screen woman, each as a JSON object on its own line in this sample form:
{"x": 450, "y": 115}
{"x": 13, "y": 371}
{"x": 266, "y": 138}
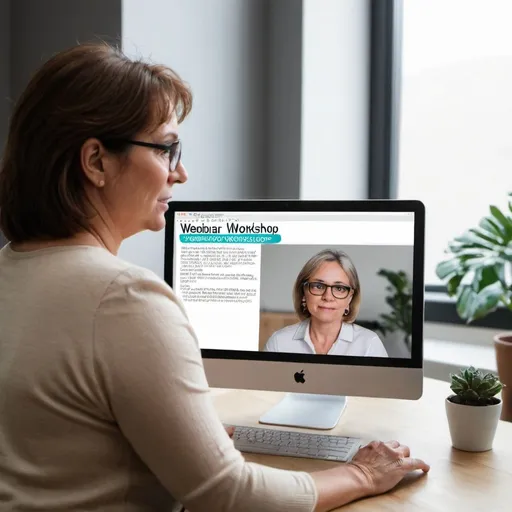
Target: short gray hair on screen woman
{"x": 309, "y": 269}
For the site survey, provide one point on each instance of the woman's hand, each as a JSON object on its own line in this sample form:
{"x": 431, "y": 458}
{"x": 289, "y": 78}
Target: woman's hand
{"x": 383, "y": 465}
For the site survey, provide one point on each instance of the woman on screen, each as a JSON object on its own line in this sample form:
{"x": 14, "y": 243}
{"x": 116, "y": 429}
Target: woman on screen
{"x": 326, "y": 297}
{"x": 104, "y": 401}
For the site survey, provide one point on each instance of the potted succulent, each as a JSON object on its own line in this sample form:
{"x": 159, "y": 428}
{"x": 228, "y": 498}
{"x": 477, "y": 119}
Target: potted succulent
{"x": 473, "y": 410}
{"x": 479, "y": 275}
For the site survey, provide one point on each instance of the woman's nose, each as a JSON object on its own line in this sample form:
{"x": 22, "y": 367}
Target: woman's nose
{"x": 327, "y": 295}
{"x": 179, "y": 175}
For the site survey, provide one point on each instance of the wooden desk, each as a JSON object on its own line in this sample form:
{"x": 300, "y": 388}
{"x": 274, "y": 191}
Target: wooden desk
{"x": 458, "y": 481}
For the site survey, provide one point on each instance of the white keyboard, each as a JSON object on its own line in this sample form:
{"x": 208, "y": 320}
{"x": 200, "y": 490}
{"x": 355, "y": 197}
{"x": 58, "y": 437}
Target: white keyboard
{"x": 295, "y": 444}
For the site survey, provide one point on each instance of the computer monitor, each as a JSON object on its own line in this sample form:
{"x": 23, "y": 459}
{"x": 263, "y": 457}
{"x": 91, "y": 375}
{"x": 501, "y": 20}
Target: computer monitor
{"x": 320, "y": 299}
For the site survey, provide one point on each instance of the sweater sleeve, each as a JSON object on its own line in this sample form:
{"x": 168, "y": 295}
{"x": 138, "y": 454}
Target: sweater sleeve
{"x": 148, "y": 358}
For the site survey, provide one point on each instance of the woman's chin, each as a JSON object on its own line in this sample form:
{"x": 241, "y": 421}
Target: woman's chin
{"x": 157, "y": 223}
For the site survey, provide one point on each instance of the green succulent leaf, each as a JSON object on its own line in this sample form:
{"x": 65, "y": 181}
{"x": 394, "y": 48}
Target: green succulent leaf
{"x": 475, "y": 387}
{"x": 459, "y": 381}
{"x": 484, "y": 386}
{"x": 468, "y": 375}
{"x": 477, "y": 381}
{"x": 470, "y": 395}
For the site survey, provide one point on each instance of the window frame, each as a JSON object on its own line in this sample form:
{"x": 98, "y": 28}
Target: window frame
{"x": 386, "y": 36}
{"x": 385, "y": 89}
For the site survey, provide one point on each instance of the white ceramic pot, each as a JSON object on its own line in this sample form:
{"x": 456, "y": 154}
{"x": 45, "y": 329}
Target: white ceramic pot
{"x": 472, "y": 428}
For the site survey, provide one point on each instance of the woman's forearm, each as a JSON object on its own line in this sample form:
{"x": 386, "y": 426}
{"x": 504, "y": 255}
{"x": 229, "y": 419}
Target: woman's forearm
{"x": 338, "y": 486}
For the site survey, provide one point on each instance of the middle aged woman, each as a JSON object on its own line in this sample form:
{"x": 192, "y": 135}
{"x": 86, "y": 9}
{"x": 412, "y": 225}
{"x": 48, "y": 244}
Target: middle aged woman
{"x": 104, "y": 402}
{"x": 326, "y": 297}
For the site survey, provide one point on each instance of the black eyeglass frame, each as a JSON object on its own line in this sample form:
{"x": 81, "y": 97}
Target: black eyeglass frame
{"x": 174, "y": 155}
{"x": 307, "y": 284}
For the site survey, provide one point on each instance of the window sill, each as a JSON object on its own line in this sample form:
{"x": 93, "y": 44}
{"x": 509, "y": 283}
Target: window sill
{"x": 441, "y": 357}
{"x": 439, "y": 307}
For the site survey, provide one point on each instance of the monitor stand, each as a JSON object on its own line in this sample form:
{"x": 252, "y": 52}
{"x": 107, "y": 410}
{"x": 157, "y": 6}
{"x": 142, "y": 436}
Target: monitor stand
{"x": 307, "y": 411}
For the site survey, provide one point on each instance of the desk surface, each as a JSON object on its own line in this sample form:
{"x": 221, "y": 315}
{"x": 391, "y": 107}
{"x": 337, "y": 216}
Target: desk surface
{"x": 457, "y": 480}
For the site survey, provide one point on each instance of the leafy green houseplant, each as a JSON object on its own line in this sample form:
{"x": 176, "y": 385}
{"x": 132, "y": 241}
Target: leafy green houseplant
{"x": 399, "y": 299}
{"x": 479, "y": 274}
{"x": 474, "y": 409}
{"x": 479, "y": 271}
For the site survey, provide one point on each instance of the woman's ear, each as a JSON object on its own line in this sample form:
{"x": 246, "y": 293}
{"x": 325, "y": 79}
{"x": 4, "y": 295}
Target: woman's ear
{"x": 92, "y": 157}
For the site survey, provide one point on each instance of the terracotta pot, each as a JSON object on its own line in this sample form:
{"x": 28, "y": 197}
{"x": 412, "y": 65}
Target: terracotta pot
{"x": 503, "y": 346}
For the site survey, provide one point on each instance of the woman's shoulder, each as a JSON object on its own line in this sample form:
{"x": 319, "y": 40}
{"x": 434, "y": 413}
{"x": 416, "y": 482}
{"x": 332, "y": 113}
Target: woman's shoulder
{"x": 101, "y": 265}
{"x": 371, "y": 340}
{"x": 123, "y": 287}
{"x": 119, "y": 276}
{"x": 361, "y": 331}
{"x": 87, "y": 271}
{"x": 101, "y": 270}
{"x": 289, "y": 330}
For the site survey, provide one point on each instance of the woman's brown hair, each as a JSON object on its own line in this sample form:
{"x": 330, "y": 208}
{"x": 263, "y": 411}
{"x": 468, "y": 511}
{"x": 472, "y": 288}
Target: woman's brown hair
{"x": 90, "y": 90}
{"x": 312, "y": 265}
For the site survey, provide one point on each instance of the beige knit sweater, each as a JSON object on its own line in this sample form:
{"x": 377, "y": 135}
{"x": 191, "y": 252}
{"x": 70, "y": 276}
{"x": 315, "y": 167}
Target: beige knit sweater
{"x": 104, "y": 404}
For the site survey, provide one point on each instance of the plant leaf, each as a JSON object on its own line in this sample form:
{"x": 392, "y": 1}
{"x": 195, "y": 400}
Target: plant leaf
{"x": 505, "y": 223}
{"x": 489, "y": 225}
{"x": 489, "y": 237}
{"x": 464, "y": 302}
{"x": 495, "y": 389}
{"x": 490, "y": 274}
{"x": 471, "y": 240}
{"x": 453, "y": 284}
{"x": 487, "y": 300}
{"x": 447, "y": 268}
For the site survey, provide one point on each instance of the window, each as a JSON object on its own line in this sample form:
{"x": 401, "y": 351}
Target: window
{"x": 455, "y": 123}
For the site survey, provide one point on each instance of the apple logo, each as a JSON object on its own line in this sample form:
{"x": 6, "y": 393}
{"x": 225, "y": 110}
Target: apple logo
{"x": 299, "y": 377}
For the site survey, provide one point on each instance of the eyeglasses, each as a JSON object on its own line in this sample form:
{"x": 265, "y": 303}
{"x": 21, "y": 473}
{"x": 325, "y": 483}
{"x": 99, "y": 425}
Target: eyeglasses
{"x": 174, "y": 150}
{"x": 339, "y": 291}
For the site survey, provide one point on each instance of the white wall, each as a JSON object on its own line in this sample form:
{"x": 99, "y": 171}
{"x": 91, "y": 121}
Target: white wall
{"x": 335, "y": 93}
{"x": 280, "y": 265}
